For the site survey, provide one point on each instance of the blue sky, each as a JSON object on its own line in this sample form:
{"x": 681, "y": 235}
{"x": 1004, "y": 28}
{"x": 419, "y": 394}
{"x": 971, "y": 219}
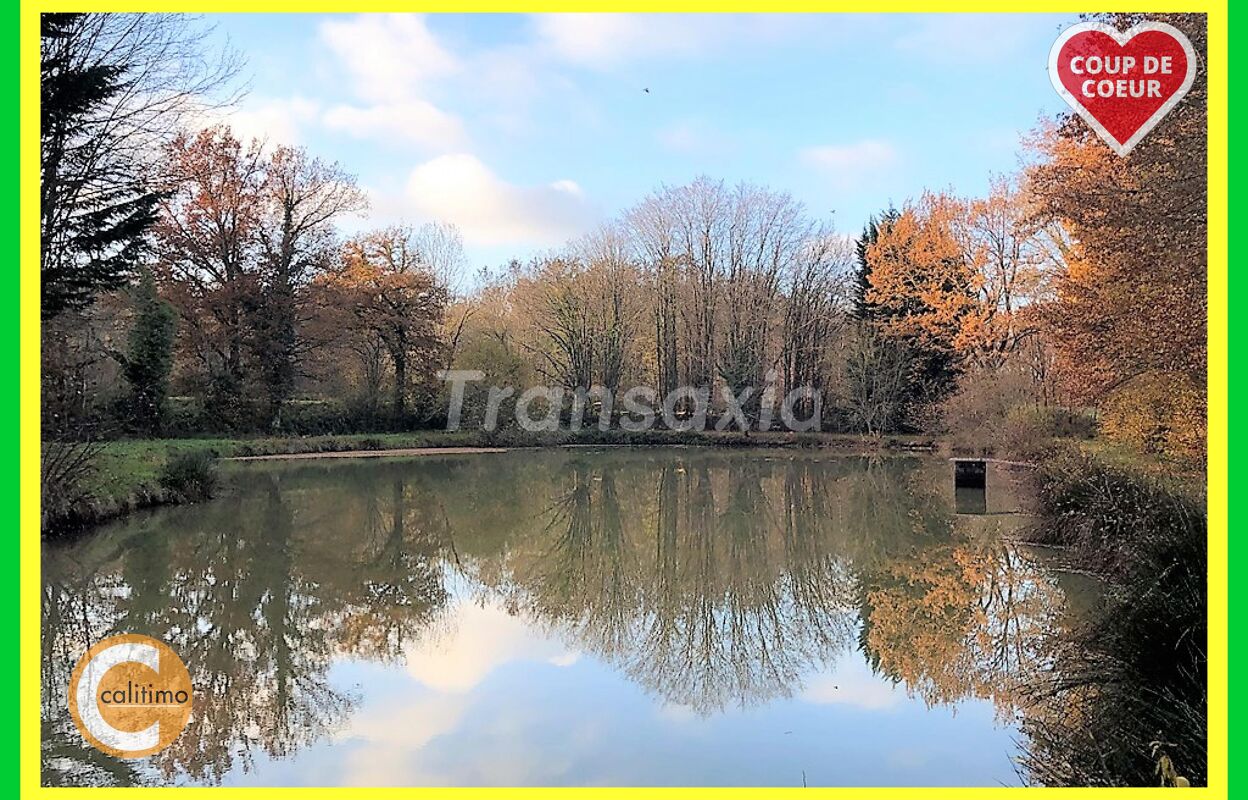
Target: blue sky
{"x": 527, "y": 130}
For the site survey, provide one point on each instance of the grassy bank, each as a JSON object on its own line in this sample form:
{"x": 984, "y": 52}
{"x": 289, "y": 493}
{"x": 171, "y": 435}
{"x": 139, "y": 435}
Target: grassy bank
{"x": 1136, "y": 673}
{"x": 1117, "y": 513}
{"x": 127, "y": 475}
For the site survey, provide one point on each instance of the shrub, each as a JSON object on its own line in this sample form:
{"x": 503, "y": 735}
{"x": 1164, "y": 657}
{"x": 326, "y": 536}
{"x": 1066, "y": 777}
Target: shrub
{"x": 1114, "y": 516}
{"x": 65, "y": 469}
{"x": 997, "y": 412}
{"x": 190, "y": 476}
{"x": 1029, "y": 431}
{"x": 1136, "y": 671}
{"x": 1158, "y": 413}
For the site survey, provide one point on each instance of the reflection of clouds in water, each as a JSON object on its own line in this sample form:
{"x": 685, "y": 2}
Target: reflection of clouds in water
{"x": 383, "y": 739}
{"x": 389, "y": 741}
{"x": 479, "y": 639}
{"x": 852, "y": 683}
{"x": 669, "y": 618}
{"x": 908, "y": 758}
{"x": 677, "y": 712}
{"x": 414, "y": 737}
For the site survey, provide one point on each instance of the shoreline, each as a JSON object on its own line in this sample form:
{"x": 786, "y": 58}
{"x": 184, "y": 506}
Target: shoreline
{"x": 398, "y": 452}
{"x": 127, "y": 475}
{"x": 868, "y": 448}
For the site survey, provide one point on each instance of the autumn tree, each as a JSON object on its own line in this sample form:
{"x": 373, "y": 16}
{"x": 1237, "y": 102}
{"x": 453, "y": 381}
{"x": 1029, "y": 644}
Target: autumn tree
{"x": 300, "y": 200}
{"x": 1013, "y": 259}
{"x": 924, "y": 290}
{"x": 387, "y": 286}
{"x": 208, "y": 245}
{"x": 1131, "y": 303}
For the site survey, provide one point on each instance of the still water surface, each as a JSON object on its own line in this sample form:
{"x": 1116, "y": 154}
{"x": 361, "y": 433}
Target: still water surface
{"x": 636, "y": 617}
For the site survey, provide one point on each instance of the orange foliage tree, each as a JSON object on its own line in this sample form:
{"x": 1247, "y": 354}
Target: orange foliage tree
{"x": 924, "y": 291}
{"x": 1131, "y": 307}
{"x": 388, "y": 288}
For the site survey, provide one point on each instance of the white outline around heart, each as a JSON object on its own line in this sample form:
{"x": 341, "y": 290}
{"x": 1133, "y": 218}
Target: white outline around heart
{"x": 1122, "y": 38}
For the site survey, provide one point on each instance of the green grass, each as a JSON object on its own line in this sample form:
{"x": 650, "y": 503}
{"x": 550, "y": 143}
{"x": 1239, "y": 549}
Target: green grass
{"x": 127, "y": 472}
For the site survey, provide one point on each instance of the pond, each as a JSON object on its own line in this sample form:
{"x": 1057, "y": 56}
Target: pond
{"x": 570, "y": 617}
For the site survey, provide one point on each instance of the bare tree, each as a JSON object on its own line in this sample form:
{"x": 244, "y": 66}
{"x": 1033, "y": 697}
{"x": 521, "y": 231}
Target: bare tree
{"x": 301, "y": 199}
{"x": 719, "y": 259}
{"x": 654, "y": 241}
{"x": 557, "y": 300}
{"x": 817, "y": 307}
{"x": 766, "y": 236}
{"x": 613, "y": 277}
{"x": 877, "y": 379}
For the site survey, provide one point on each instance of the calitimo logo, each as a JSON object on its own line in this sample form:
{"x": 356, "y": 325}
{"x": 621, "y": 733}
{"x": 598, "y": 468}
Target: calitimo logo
{"x": 130, "y": 695}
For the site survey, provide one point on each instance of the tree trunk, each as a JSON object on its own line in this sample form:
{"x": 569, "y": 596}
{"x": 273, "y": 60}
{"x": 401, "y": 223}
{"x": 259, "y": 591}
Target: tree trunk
{"x": 400, "y": 381}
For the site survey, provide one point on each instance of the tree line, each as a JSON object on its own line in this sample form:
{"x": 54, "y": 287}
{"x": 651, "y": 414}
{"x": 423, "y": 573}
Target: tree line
{"x": 194, "y": 282}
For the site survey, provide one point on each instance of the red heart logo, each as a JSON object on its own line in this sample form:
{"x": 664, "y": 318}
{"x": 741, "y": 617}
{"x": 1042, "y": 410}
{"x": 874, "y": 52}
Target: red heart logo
{"x": 1122, "y": 84}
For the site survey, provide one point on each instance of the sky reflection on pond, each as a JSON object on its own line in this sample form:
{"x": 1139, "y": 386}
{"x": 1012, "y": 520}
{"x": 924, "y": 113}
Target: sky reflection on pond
{"x": 567, "y": 618}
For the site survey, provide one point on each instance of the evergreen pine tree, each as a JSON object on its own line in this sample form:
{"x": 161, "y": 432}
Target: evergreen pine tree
{"x": 864, "y": 309}
{"x": 149, "y": 356}
{"x": 94, "y": 205}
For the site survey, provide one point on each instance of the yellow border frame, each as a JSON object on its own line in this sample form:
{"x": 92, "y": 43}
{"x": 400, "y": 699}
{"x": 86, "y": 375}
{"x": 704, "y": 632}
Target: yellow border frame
{"x": 29, "y": 734}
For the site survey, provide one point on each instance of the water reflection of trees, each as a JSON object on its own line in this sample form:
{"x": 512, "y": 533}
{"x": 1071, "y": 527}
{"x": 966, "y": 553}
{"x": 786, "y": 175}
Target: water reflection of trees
{"x": 1124, "y": 699}
{"x": 709, "y": 578}
{"x": 962, "y": 618}
{"x": 258, "y": 604}
{"x": 716, "y": 580}
{"x": 687, "y": 586}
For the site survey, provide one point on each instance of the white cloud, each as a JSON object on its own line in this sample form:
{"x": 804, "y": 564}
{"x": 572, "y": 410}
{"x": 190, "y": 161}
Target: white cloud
{"x": 409, "y": 122}
{"x": 849, "y": 164}
{"x": 694, "y": 136}
{"x": 682, "y": 137}
{"x": 602, "y": 41}
{"x": 460, "y": 189}
{"x": 482, "y": 639}
{"x": 568, "y": 187}
{"x": 678, "y": 713}
{"x": 273, "y": 120}
{"x": 393, "y": 60}
{"x": 391, "y": 56}
{"x": 840, "y": 157}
